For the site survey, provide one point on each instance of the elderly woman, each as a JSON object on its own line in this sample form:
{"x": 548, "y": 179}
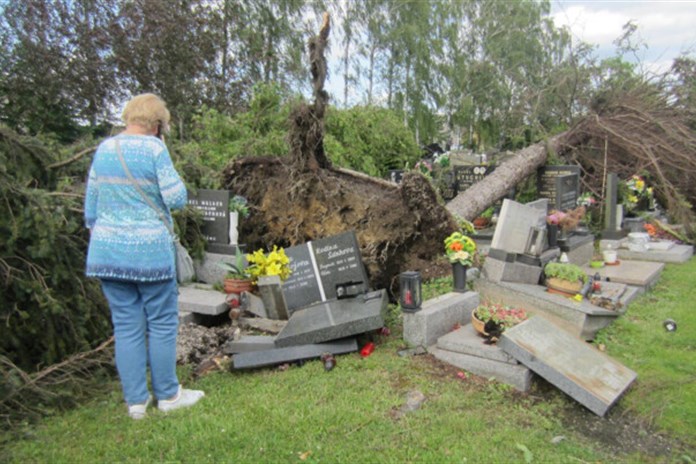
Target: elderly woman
{"x": 131, "y": 252}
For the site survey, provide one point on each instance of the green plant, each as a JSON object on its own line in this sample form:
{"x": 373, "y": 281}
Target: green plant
{"x": 460, "y": 249}
{"x": 239, "y": 204}
{"x": 488, "y": 213}
{"x": 565, "y": 271}
{"x": 274, "y": 263}
{"x": 238, "y": 270}
{"x": 501, "y": 315}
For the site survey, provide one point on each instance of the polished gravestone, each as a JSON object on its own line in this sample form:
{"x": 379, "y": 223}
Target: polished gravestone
{"x": 319, "y": 266}
{"x": 214, "y": 207}
{"x": 335, "y": 319}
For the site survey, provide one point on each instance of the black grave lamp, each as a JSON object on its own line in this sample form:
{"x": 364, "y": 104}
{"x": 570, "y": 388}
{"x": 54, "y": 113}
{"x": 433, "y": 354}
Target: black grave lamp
{"x": 410, "y": 296}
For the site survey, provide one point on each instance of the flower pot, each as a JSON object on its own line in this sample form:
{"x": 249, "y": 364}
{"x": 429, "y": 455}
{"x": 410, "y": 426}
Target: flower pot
{"x": 552, "y": 235}
{"x": 238, "y": 285}
{"x": 478, "y": 324}
{"x": 481, "y": 222}
{"x": 556, "y": 285}
{"x": 459, "y": 275}
{"x": 609, "y": 256}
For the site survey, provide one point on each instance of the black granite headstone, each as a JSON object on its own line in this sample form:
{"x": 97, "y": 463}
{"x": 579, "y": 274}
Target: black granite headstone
{"x": 547, "y": 184}
{"x": 566, "y": 192}
{"x": 214, "y": 205}
{"x": 466, "y": 176}
{"x": 319, "y": 266}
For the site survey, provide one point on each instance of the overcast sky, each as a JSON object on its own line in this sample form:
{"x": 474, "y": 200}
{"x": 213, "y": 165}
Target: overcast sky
{"x": 667, "y": 27}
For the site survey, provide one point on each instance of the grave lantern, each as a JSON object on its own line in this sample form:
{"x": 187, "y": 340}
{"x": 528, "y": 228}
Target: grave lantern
{"x": 410, "y": 298}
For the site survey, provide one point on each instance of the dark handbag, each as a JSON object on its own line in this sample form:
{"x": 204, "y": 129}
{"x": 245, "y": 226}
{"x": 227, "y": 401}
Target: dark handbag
{"x": 184, "y": 263}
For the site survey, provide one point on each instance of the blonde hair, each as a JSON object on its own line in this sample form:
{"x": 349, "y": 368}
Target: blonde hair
{"x": 147, "y": 110}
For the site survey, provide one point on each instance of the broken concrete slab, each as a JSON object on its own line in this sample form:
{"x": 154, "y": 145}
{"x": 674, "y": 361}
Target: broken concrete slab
{"x": 642, "y": 274}
{"x": 466, "y": 340}
{"x": 194, "y": 299}
{"x": 335, "y": 319}
{"x": 438, "y": 316}
{"x": 517, "y": 375}
{"x": 581, "y": 318}
{"x": 254, "y": 359}
{"x": 578, "y": 369}
{"x": 249, "y": 343}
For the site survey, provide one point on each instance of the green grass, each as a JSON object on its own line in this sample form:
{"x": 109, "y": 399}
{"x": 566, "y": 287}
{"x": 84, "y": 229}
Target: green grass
{"x": 351, "y": 414}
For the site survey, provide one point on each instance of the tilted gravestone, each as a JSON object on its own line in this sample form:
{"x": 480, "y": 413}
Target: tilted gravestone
{"x": 319, "y": 266}
{"x": 214, "y": 205}
{"x": 581, "y": 371}
{"x": 560, "y": 184}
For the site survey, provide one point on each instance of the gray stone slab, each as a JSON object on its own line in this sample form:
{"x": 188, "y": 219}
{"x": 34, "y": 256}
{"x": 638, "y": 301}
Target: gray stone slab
{"x": 271, "y": 292}
{"x": 637, "y": 273}
{"x": 467, "y": 340}
{"x": 185, "y": 317}
{"x": 335, "y": 319}
{"x": 515, "y": 224}
{"x": 518, "y": 376}
{"x": 249, "y": 343}
{"x": 253, "y": 304}
{"x": 582, "y": 318}
{"x": 200, "y": 301}
{"x": 502, "y": 271}
{"x": 577, "y": 368}
{"x": 437, "y": 317}
{"x": 676, "y": 254}
{"x": 254, "y": 359}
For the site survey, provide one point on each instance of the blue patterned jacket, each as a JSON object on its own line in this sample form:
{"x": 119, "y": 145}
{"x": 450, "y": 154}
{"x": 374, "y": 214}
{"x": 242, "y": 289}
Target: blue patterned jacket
{"x": 128, "y": 240}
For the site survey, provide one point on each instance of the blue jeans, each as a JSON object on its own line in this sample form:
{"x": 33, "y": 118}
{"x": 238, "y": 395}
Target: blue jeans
{"x": 146, "y": 319}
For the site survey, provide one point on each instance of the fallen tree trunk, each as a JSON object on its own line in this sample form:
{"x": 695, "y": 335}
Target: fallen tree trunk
{"x": 469, "y": 203}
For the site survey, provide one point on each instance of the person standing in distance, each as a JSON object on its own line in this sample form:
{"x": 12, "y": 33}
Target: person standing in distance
{"x": 131, "y": 252}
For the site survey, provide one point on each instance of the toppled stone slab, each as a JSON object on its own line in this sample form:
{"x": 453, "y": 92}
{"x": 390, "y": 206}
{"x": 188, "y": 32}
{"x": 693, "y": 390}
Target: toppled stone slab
{"x": 263, "y": 324}
{"x": 517, "y": 375}
{"x": 578, "y": 369}
{"x": 249, "y": 343}
{"x": 254, "y": 359}
{"x": 335, "y": 319}
{"x": 194, "y": 299}
{"x": 641, "y": 274}
{"x": 437, "y": 317}
{"x": 503, "y": 271}
{"x": 580, "y": 318}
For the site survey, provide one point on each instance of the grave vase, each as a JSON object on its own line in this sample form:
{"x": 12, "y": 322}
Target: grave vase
{"x": 459, "y": 274}
{"x": 552, "y": 235}
{"x": 234, "y": 222}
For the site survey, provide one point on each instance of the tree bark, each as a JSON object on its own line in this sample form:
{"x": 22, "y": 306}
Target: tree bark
{"x": 469, "y": 203}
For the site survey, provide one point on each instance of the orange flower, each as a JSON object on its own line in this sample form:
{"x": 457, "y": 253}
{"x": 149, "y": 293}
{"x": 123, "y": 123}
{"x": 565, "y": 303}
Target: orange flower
{"x": 456, "y": 246}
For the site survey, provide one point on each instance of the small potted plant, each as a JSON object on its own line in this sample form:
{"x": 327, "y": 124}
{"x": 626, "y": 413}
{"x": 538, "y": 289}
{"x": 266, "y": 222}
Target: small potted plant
{"x": 484, "y": 219}
{"x": 553, "y": 221}
{"x": 460, "y": 251}
{"x": 565, "y": 278}
{"x": 238, "y": 206}
{"x": 491, "y": 319}
{"x": 237, "y": 278}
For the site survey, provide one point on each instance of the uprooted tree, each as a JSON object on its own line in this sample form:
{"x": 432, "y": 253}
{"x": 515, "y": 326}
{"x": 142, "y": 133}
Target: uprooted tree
{"x": 637, "y": 131}
{"x": 303, "y": 197}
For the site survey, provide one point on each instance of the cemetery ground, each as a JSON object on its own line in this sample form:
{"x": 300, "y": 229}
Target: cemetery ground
{"x": 389, "y": 408}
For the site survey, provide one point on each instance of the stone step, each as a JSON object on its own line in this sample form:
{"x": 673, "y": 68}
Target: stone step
{"x": 437, "y": 317}
{"x": 581, "y": 318}
{"x": 518, "y": 375}
{"x": 467, "y": 340}
{"x": 199, "y": 299}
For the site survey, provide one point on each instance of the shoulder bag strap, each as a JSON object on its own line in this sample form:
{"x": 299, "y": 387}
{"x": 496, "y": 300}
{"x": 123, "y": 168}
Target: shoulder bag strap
{"x": 140, "y": 190}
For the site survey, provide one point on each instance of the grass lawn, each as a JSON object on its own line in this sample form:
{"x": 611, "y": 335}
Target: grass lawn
{"x": 355, "y": 413}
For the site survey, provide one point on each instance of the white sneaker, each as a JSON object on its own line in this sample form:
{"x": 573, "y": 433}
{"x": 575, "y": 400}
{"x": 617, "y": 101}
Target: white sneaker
{"x": 137, "y": 411}
{"x": 182, "y": 399}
